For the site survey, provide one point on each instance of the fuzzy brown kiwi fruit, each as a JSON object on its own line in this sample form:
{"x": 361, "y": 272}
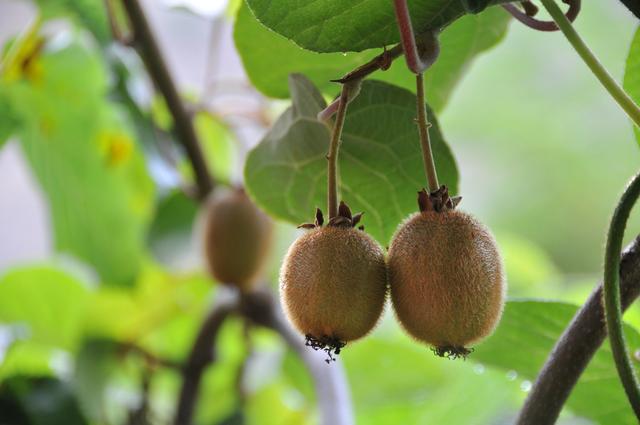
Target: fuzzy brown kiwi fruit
{"x": 447, "y": 278}
{"x": 237, "y": 236}
{"x": 333, "y": 283}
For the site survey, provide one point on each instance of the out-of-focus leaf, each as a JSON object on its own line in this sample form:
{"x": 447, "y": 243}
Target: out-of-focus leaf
{"x": 524, "y": 339}
{"x": 128, "y": 315}
{"x": 218, "y": 146}
{"x": 172, "y": 226}
{"x": 632, "y": 75}
{"x": 87, "y": 162}
{"x": 47, "y": 301}
{"x": 528, "y": 266}
{"x": 9, "y": 122}
{"x": 380, "y": 159}
{"x": 396, "y": 380}
{"x": 331, "y": 26}
{"x": 88, "y": 13}
{"x": 26, "y": 358}
{"x": 283, "y": 405}
{"x": 43, "y": 401}
{"x": 94, "y": 365}
{"x": 460, "y": 44}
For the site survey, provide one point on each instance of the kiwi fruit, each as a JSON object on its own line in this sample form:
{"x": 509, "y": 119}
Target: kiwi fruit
{"x": 446, "y": 276}
{"x": 237, "y": 237}
{"x": 333, "y": 282}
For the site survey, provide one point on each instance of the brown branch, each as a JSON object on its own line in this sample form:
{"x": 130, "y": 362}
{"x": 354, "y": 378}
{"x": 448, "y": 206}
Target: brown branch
{"x": 149, "y": 50}
{"x": 381, "y": 62}
{"x": 202, "y": 354}
{"x": 576, "y": 347}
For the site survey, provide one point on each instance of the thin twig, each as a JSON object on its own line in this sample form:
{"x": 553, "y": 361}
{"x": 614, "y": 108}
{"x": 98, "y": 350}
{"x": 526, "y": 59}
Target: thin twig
{"x": 332, "y": 156}
{"x": 611, "y": 296}
{"x": 150, "y": 359}
{"x": 150, "y": 52}
{"x": 381, "y": 62}
{"x": 425, "y": 141}
{"x": 201, "y": 355}
{"x": 607, "y": 81}
{"x": 528, "y": 19}
{"x": 577, "y": 345}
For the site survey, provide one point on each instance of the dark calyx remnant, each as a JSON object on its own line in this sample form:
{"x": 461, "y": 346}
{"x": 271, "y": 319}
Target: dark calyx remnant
{"x": 438, "y": 200}
{"x": 328, "y": 344}
{"x": 343, "y": 219}
{"x": 451, "y": 352}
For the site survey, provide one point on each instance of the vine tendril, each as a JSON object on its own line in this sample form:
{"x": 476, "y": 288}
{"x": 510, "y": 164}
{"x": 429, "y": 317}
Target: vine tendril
{"x": 527, "y": 18}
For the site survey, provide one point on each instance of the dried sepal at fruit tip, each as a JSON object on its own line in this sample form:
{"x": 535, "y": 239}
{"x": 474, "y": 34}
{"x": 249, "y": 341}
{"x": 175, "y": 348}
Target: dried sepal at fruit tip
{"x": 344, "y": 219}
{"x": 438, "y": 200}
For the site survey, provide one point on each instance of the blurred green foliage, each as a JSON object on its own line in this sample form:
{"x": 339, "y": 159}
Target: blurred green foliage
{"x": 76, "y": 336}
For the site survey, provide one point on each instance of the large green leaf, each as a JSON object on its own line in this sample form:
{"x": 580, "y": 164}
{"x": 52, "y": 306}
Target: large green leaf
{"x": 339, "y": 26}
{"x": 380, "y": 160}
{"x": 460, "y": 44}
{"x": 632, "y": 75}
{"x": 86, "y": 161}
{"x": 48, "y": 301}
{"x": 524, "y": 339}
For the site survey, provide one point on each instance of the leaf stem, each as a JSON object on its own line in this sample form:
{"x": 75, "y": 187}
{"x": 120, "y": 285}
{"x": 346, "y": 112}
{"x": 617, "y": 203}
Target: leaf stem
{"x": 611, "y": 298}
{"x": 618, "y": 94}
{"x": 150, "y": 52}
{"x": 425, "y": 141}
{"x": 332, "y": 156}
{"x": 418, "y": 58}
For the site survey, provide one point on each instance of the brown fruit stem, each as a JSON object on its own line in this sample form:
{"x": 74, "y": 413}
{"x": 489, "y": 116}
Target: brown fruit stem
{"x": 332, "y": 156}
{"x": 577, "y": 345}
{"x": 425, "y": 141}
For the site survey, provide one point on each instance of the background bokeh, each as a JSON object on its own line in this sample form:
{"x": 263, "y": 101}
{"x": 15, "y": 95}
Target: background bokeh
{"x": 543, "y": 154}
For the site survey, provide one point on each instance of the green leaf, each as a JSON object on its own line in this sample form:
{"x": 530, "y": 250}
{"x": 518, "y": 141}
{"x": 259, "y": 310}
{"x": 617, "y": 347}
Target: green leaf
{"x": 337, "y": 26}
{"x": 632, "y": 75}
{"x": 524, "y": 339}
{"x": 172, "y": 226}
{"x": 380, "y": 160}
{"x": 94, "y": 365}
{"x": 48, "y": 301}
{"x": 396, "y": 380}
{"x": 460, "y": 44}
{"x": 86, "y": 161}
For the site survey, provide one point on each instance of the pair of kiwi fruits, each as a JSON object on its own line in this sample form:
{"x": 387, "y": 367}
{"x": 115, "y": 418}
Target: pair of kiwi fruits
{"x": 443, "y": 270}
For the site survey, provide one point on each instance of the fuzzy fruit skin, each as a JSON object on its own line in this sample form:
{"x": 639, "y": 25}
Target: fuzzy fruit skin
{"x": 333, "y": 283}
{"x": 237, "y": 237}
{"x": 447, "y": 278}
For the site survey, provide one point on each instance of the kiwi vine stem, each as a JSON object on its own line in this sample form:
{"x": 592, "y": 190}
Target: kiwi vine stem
{"x": 425, "y": 140}
{"x": 145, "y": 42}
{"x": 618, "y": 94}
{"x": 334, "y": 147}
{"x": 576, "y": 346}
{"x": 611, "y": 296}
{"x": 201, "y": 355}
